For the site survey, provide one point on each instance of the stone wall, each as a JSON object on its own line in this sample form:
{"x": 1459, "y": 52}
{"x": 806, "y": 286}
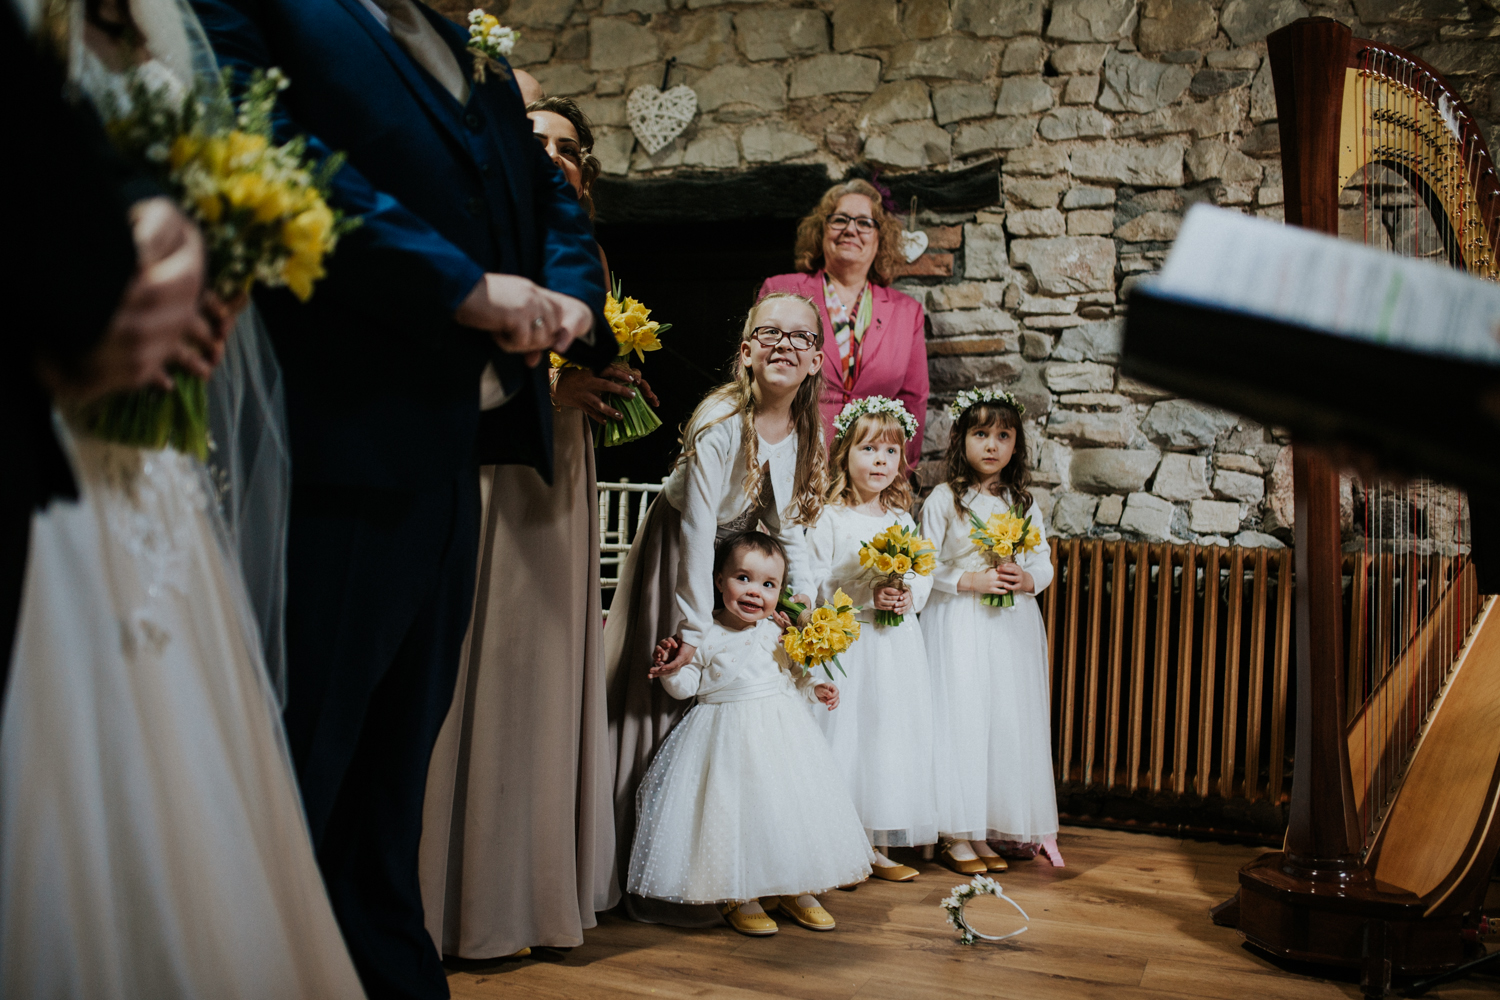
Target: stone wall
{"x": 1107, "y": 118}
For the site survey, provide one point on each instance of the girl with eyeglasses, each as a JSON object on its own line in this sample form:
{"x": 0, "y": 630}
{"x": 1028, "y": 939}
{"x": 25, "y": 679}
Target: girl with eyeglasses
{"x": 752, "y": 453}
{"x": 848, "y": 251}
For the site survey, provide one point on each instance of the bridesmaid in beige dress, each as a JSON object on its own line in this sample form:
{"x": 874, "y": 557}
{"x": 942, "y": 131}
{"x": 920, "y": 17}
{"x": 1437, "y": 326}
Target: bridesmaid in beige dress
{"x": 518, "y": 830}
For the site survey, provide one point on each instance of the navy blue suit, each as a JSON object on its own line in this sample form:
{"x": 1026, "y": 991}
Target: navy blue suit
{"x": 382, "y": 406}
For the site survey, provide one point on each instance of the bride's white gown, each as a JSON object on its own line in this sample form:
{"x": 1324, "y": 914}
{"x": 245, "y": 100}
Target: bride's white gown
{"x": 152, "y": 844}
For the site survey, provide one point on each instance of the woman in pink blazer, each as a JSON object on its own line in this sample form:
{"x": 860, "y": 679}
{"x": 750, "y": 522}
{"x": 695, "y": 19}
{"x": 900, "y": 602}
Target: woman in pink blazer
{"x": 847, "y": 251}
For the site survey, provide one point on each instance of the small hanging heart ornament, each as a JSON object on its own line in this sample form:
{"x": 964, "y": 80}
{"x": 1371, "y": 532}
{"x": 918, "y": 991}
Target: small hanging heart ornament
{"x": 657, "y": 117}
{"x": 913, "y": 244}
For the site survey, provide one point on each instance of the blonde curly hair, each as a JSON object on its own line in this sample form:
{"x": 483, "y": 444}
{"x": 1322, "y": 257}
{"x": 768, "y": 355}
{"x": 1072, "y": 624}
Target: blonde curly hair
{"x": 809, "y": 250}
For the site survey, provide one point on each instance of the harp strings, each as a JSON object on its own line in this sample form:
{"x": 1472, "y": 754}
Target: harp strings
{"x": 1410, "y": 610}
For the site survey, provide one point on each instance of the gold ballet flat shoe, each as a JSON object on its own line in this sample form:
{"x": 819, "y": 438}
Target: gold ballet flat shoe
{"x": 893, "y": 873}
{"x": 973, "y": 866}
{"x": 993, "y": 864}
{"x": 814, "y": 918}
{"x": 523, "y": 953}
{"x": 753, "y": 924}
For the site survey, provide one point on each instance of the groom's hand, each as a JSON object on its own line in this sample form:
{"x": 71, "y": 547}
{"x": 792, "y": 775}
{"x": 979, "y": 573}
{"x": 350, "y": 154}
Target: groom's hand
{"x": 521, "y": 316}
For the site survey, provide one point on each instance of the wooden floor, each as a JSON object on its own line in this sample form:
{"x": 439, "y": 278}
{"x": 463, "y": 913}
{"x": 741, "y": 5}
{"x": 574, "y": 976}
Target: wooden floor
{"x": 1127, "y": 918}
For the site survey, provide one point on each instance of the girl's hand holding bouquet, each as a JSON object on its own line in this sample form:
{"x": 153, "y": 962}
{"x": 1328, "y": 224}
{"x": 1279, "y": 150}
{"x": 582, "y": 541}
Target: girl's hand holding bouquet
{"x": 1002, "y": 537}
{"x": 892, "y": 554}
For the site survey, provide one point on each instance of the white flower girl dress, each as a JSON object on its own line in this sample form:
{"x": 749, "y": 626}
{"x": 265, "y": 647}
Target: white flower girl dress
{"x": 881, "y": 734}
{"x": 744, "y": 799}
{"x": 991, "y": 689}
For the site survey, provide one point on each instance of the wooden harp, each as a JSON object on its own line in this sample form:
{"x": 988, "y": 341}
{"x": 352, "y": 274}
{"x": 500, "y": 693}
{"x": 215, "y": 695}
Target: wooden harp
{"x": 1392, "y": 831}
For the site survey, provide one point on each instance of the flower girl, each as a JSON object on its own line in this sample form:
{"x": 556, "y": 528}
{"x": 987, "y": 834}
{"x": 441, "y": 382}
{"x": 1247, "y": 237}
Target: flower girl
{"x": 752, "y": 454}
{"x": 882, "y": 734}
{"x": 743, "y": 800}
{"x": 989, "y": 664}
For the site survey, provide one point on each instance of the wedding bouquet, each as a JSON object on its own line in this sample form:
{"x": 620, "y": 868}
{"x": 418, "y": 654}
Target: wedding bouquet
{"x": 1002, "y": 537}
{"x": 636, "y": 331}
{"x": 489, "y": 42}
{"x": 892, "y": 554}
{"x": 261, "y": 208}
{"x": 829, "y": 631}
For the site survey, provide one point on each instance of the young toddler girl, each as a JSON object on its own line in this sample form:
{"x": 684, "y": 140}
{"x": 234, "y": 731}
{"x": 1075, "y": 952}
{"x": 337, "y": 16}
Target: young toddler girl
{"x": 989, "y": 664}
{"x": 744, "y": 800}
{"x": 752, "y": 454}
{"x": 881, "y": 735}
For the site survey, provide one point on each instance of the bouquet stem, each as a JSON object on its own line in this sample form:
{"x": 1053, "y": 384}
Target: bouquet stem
{"x": 889, "y": 618}
{"x": 1005, "y": 600}
{"x": 637, "y": 421}
{"x": 156, "y": 418}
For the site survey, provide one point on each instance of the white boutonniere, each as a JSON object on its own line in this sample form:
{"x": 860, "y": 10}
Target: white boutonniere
{"x": 489, "y": 41}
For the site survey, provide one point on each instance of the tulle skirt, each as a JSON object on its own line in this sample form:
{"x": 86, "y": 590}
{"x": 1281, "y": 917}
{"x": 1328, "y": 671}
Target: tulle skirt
{"x": 881, "y": 734}
{"x": 743, "y": 800}
{"x": 992, "y": 718}
{"x": 152, "y": 843}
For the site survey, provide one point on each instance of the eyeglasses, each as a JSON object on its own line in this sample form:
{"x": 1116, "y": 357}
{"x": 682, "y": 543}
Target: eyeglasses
{"x": 840, "y": 222}
{"x": 769, "y": 336}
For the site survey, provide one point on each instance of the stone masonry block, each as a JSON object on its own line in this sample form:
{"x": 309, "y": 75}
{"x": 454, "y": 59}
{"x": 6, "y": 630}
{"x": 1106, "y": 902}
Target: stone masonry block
{"x": 616, "y": 43}
{"x": 1244, "y": 487}
{"x": 903, "y": 101}
{"x": 1091, "y": 20}
{"x": 781, "y": 34}
{"x": 763, "y": 87}
{"x": 1142, "y": 166}
{"x": 1181, "y": 477}
{"x": 1036, "y": 222}
{"x": 909, "y": 144}
{"x": 859, "y": 24}
{"x": 1214, "y": 517}
{"x": 984, "y": 251}
{"x": 1073, "y": 513}
{"x": 1066, "y": 265}
{"x": 958, "y": 101}
{"x": 1147, "y": 515}
{"x": 1000, "y": 134}
{"x": 1079, "y": 376}
{"x": 992, "y": 19}
{"x": 1024, "y": 95}
{"x": 831, "y": 74}
{"x": 1112, "y": 470}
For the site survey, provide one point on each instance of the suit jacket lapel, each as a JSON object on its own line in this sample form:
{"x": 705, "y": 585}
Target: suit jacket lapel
{"x": 437, "y": 101}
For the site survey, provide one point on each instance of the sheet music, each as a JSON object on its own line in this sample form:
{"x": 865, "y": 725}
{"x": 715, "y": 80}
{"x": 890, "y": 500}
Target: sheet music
{"x": 1228, "y": 260}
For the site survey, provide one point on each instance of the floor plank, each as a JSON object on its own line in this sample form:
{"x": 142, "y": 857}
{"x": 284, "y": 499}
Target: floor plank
{"x": 1126, "y": 920}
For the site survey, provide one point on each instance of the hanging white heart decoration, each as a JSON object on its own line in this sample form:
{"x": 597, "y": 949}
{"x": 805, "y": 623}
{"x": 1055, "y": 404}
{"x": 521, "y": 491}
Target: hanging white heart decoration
{"x": 913, "y": 244}
{"x": 657, "y": 117}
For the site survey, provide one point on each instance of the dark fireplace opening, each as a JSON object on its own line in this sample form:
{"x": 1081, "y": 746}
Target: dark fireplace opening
{"x": 701, "y": 277}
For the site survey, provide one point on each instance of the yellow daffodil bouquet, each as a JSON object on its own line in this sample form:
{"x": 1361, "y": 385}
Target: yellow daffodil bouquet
{"x": 1002, "y": 537}
{"x": 261, "y": 208}
{"x": 893, "y": 554}
{"x": 829, "y": 631}
{"x": 636, "y": 333}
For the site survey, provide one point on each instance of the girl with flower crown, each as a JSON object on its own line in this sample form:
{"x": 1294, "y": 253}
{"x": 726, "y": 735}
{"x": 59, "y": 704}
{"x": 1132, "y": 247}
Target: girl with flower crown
{"x": 989, "y": 664}
{"x": 752, "y": 453}
{"x": 882, "y": 734}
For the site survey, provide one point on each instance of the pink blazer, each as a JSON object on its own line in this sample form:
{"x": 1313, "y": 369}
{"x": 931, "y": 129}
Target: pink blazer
{"x": 893, "y": 362}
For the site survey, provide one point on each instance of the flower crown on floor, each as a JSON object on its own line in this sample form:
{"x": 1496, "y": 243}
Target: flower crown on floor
{"x": 874, "y": 404}
{"x": 973, "y": 397}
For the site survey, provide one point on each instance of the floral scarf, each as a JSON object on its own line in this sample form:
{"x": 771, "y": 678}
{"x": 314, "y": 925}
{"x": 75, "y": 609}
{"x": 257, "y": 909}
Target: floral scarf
{"x": 848, "y": 331}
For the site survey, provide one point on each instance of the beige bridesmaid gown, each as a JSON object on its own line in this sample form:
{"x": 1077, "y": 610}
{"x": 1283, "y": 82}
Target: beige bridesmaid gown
{"x": 518, "y": 836}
